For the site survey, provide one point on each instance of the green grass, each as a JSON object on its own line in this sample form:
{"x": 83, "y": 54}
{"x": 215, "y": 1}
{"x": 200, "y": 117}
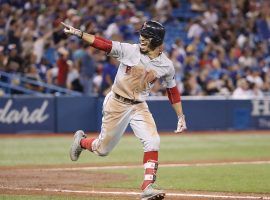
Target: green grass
{"x": 176, "y": 148}
{"x": 216, "y": 147}
{"x": 231, "y": 178}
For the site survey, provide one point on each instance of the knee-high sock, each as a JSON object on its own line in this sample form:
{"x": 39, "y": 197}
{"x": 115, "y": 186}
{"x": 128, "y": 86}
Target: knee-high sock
{"x": 150, "y": 155}
{"x": 150, "y": 162}
{"x": 86, "y": 143}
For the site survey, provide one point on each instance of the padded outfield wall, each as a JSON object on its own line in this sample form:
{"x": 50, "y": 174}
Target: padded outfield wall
{"x": 68, "y": 114}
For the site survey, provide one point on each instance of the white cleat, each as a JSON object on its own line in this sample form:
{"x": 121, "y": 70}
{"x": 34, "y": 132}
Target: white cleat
{"x": 151, "y": 193}
{"x": 76, "y": 149}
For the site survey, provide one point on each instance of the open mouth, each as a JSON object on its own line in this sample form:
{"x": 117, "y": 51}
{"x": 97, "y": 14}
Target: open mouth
{"x": 143, "y": 44}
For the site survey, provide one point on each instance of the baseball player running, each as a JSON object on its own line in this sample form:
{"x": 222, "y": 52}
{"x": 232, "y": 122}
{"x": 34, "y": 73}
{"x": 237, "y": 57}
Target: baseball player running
{"x": 140, "y": 66}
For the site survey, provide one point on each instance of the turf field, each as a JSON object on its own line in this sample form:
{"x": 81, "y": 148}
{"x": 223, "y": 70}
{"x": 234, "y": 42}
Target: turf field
{"x": 192, "y": 166}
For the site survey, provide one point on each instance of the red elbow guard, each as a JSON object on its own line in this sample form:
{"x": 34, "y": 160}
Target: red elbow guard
{"x": 102, "y": 44}
{"x": 173, "y": 95}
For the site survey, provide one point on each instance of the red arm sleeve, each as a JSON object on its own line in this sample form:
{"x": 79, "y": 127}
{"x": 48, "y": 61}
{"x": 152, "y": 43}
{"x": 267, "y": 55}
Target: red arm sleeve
{"x": 173, "y": 95}
{"x": 102, "y": 44}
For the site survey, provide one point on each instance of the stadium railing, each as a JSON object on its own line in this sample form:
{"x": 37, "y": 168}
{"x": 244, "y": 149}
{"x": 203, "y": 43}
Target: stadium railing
{"x": 7, "y": 79}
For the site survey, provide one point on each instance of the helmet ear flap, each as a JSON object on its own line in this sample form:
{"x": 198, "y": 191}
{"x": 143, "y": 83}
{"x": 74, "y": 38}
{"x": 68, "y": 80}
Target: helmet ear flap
{"x": 155, "y": 42}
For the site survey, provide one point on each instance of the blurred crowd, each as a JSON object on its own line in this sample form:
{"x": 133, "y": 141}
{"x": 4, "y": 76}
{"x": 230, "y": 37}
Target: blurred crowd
{"x": 225, "y": 50}
{"x": 228, "y": 49}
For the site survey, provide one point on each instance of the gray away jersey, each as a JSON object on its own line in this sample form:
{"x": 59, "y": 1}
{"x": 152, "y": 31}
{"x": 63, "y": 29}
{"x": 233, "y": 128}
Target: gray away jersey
{"x": 137, "y": 72}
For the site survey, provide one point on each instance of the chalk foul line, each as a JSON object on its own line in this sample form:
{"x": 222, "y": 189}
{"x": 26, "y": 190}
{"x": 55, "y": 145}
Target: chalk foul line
{"x": 161, "y": 165}
{"x": 122, "y": 193}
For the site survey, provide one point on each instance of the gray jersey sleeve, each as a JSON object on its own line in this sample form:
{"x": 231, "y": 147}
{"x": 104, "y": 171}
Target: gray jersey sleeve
{"x": 169, "y": 79}
{"x": 121, "y": 50}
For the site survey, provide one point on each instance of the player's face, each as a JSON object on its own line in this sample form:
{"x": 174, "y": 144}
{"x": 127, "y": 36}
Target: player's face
{"x": 144, "y": 44}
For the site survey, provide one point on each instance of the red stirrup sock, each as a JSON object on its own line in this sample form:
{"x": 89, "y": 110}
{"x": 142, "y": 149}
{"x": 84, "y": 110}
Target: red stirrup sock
{"x": 150, "y": 162}
{"x": 86, "y": 143}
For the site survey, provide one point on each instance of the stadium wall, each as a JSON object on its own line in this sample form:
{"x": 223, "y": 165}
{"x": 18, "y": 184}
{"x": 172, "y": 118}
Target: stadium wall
{"x": 68, "y": 114}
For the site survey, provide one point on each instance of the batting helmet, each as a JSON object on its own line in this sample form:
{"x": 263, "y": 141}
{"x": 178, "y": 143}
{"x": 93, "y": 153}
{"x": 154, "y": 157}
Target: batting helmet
{"x": 153, "y": 30}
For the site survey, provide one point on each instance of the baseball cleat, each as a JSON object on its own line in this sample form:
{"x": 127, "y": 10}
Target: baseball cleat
{"x": 151, "y": 193}
{"x": 76, "y": 149}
